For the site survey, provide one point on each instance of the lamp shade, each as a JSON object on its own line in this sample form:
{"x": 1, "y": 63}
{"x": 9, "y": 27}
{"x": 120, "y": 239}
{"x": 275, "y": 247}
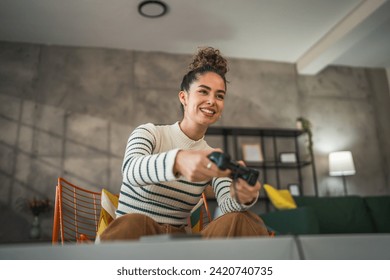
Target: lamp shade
{"x": 341, "y": 164}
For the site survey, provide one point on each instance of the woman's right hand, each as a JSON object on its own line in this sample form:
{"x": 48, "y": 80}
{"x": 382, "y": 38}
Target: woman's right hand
{"x": 195, "y": 166}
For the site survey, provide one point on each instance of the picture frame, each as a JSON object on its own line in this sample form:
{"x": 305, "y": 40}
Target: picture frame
{"x": 294, "y": 189}
{"x": 252, "y": 153}
{"x": 288, "y": 157}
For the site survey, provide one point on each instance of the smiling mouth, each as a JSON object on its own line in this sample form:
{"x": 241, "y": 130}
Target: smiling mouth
{"x": 208, "y": 111}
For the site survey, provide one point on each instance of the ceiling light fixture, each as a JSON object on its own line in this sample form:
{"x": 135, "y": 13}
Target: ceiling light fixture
{"x": 152, "y": 9}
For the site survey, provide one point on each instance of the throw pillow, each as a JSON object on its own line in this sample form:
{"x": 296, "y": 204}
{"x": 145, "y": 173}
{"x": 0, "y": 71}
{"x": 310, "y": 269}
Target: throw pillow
{"x": 109, "y": 203}
{"x": 281, "y": 199}
{"x": 195, "y": 220}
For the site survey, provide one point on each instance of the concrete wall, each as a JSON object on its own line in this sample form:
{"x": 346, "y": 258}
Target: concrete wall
{"x": 68, "y": 111}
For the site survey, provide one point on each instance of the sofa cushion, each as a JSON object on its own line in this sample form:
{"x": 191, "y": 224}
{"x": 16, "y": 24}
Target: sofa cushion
{"x": 292, "y": 221}
{"x": 339, "y": 214}
{"x": 379, "y": 209}
{"x": 281, "y": 199}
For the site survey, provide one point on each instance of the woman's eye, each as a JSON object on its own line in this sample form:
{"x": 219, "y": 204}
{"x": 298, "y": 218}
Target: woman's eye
{"x": 221, "y": 96}
{"x": 203, "y": 91}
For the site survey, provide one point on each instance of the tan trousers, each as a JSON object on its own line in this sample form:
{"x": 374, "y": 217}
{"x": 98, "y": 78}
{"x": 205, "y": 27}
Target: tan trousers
{"x": 134, "y": 226}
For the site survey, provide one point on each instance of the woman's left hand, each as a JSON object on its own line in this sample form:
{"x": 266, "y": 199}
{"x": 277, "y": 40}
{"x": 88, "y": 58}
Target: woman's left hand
{"x": 244, "y": 192}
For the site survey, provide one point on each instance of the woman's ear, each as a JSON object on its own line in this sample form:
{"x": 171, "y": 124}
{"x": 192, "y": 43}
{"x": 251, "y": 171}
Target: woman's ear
{"x": 183, "y": 98}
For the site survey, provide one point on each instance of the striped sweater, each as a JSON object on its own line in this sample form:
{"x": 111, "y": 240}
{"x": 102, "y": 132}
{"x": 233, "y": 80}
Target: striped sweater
{"x": 149, "y": 185}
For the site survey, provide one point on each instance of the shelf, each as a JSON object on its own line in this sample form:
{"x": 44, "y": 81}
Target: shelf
{"x": 248, "y": 131}
{"x": 273, "y": 164}
{"x": 270, "y": 141}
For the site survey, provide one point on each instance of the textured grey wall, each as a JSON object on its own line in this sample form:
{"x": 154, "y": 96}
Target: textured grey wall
{"x": 68, "y": 111}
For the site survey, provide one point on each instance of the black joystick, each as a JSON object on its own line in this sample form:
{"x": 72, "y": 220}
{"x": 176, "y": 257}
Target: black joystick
{"x": 224, "y": 162}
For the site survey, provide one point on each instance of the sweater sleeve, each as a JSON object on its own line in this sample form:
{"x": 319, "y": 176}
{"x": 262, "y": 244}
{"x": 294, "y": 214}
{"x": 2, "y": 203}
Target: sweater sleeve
{"x": 140, "y": 166}
{"x": 227, "y": 204}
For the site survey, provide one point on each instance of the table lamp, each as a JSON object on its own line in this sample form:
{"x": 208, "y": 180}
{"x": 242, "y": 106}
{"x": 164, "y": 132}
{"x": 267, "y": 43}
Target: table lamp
{"x": 341, "y": 164}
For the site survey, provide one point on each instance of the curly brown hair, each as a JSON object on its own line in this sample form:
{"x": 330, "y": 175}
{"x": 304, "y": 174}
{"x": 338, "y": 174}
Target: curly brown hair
{"x": 211, "y": 57}
{"x": 206, "y": 60}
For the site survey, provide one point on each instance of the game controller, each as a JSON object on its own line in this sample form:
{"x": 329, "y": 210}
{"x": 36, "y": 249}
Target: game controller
{"x": 224, "y": 162}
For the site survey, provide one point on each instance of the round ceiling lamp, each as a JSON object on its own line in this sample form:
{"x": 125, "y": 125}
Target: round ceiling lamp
{"x": 152, "y": 9}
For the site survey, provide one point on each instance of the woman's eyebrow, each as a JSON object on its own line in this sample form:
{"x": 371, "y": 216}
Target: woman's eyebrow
{"x": 209, "y": 88}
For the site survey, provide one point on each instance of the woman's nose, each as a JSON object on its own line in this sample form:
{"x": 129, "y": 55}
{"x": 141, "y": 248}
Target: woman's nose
{"x": 211, "y": 100}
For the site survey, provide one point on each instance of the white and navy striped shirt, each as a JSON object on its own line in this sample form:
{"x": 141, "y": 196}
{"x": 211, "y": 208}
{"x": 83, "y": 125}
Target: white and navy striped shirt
{"x": 149, "y": 185}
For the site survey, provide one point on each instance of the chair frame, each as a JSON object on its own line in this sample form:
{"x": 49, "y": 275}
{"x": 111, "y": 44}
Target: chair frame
{"x": 59, "y": 225}
{"x": 206, "y": 206}
{"x": 80, "y": 236}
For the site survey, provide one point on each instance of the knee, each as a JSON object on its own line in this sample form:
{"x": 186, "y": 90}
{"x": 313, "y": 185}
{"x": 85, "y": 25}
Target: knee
{"x": 132, "y": 219}
{"x": 129, "y": 226}
{"x": 232, "y": 215}
{"x": 242, "y": 217}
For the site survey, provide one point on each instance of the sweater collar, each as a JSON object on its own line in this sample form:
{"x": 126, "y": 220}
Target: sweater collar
{"x": 183, "y": 138}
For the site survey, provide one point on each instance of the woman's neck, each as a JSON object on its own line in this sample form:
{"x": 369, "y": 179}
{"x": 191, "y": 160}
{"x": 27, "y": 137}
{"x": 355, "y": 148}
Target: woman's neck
{"x": 193, "y": 131}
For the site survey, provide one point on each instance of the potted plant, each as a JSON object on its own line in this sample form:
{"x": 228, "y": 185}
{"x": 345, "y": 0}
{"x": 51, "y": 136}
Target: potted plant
{"x": 305, "y": 125}
{"x": 37, "y": 206}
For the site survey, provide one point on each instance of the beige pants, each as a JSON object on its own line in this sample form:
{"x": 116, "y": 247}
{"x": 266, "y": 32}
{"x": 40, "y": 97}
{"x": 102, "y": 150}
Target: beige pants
{"x": 133, "y": 226}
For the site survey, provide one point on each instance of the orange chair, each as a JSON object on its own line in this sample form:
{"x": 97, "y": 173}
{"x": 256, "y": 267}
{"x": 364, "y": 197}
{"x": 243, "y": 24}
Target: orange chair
{"x": 77, "y": 213}
{"x": 200, "y": 215}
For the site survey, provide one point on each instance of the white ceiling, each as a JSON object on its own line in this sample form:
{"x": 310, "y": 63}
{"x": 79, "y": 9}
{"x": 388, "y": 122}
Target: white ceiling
{"x": 310, "y": 33}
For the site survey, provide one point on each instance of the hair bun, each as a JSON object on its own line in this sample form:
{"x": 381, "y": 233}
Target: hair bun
{"x": 211, "y": 57}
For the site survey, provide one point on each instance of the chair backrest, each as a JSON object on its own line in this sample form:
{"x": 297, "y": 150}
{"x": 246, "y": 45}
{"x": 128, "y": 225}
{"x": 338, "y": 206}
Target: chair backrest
{"x": 200, "y": 216}
{"x": 206, "y": 215}
{"x": 76, "y": 213}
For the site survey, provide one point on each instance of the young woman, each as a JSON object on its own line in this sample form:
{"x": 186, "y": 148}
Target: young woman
{"x": 166, "y": 168}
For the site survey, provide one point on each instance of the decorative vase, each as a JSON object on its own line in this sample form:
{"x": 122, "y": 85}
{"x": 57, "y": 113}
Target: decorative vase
{"x": 35, "y": 230}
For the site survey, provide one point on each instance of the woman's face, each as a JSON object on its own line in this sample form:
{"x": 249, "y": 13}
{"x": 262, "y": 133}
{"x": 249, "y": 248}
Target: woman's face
{"x": 204, "y": 102}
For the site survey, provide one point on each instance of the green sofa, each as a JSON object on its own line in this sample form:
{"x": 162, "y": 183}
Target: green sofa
{"x": 332, "y": 215}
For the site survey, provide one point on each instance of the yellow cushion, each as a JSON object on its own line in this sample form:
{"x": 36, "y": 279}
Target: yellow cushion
{"x": 196, "y": 218}
{"x": 281, "y": 199}
{"x": 109, "y": 203}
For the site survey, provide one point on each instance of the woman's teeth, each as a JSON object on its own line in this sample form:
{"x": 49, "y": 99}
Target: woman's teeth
{"x": 207, "y": 111}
